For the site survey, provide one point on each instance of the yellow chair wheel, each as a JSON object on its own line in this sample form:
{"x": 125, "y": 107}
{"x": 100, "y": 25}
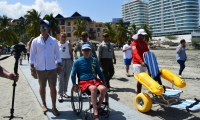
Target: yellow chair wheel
{"x": 143, "y": 102}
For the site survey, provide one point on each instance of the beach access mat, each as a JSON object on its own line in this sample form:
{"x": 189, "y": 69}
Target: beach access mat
{"x": 186, "y": 103}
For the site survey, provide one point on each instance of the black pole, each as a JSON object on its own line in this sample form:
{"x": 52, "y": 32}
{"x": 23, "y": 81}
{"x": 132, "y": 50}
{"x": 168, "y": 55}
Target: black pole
{"x": 13, "y": 96}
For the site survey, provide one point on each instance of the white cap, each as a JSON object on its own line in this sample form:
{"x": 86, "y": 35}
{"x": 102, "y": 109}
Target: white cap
{"x": 142, "y": 32}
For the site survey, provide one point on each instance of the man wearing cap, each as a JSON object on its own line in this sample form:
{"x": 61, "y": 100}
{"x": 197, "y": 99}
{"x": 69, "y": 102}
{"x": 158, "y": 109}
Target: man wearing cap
{"x": 88, "y": 68}
{"x": 106, "y": 57}
{"x": 84, "y": 36}
{"x": 139, "y": 46}
{"x": 44, "y": 54}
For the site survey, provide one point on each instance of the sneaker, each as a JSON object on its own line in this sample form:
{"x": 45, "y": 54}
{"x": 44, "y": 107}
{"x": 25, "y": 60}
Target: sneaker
{"x": 55, "y": 112}
{"x": 44, "y": 108}
{"x": 180, "y": 76}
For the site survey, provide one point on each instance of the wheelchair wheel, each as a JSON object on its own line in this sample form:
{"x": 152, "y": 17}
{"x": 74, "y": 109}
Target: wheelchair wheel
{"x": 76, "y": 101}
{"x": 143, "y": 102}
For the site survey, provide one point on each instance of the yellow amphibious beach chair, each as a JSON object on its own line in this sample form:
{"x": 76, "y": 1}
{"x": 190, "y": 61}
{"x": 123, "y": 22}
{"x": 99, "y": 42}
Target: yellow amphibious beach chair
{"x": 162, "y": 95}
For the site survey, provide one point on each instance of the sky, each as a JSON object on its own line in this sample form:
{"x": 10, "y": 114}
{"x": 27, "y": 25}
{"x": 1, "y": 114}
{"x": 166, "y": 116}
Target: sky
{"x": 97, "y": 10}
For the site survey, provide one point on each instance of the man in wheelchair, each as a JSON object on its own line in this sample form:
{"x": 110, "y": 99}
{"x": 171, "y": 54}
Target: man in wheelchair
{"x": 88, "y": 68}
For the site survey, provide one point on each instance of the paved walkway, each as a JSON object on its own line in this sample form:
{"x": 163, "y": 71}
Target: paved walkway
{"x": 118, "y": 110}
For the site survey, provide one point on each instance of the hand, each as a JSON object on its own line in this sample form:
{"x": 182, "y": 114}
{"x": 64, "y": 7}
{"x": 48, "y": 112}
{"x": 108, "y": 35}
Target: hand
{"x": 59, "y": 70}
{"x": 143, "y": 64}
{"x": 75, "y": 88}
{"x": 114, "y": 61}
{"x": 33, "y": 73}
{"x": 13, "y": 76}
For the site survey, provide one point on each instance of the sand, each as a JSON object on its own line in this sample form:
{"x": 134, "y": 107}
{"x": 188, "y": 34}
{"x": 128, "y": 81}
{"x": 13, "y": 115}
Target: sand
{"x": 26, "y": 104}
{"x": 124, "y": 88}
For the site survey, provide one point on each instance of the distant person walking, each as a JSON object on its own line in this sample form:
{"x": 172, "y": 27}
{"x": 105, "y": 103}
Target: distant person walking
{"x": 106, "y": 57}
{"x": 29, "y": 47}
{"x": 181, "y": 56}
{"x": 44, "y": 54}
{"x": 139, "y": 46}
{"x": 127, "y": 49}
{"x": 67, "y": 62}
{"x": 84, "y": 40}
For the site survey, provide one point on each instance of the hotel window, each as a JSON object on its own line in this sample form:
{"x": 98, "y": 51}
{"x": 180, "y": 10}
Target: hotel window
{"x": 98, "y": 35}
{"x": 98, "y": 29}
{"x": 62, "y": 22}
{"x": 68, "y": 23}
{"x": 68, "y": 34}
{"x": 68, "y": 28}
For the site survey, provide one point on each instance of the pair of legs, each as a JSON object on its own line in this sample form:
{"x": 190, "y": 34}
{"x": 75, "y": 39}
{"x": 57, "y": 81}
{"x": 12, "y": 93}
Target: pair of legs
{"x": 93, "y": 89}
{"x": 137, "y": 68}
{"x": 127, "y": 62}
{"x": 108, "y": 70}
{"x": 28, "y": 54}
{"x": 51, "y": 77}
{"x": 64, "y": 78}
{"x": 182, "y": 66}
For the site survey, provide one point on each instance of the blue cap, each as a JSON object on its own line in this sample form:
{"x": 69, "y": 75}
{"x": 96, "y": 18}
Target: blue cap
{"x": 45, "y": 22}
{"x": 86, "y": 46}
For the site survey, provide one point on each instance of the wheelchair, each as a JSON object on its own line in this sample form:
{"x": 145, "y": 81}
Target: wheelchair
{"x": 77, "y": 99}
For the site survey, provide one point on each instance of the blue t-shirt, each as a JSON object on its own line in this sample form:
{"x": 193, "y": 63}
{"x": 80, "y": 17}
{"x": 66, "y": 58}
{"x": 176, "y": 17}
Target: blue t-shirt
{"x": 88, "y": 68}
{"x": 182, "y": 54}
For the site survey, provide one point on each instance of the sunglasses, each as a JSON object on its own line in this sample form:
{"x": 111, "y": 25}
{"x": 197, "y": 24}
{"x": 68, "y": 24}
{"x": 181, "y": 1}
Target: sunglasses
{"x": 86, "y": 50}
{"x": 43, "y": 27}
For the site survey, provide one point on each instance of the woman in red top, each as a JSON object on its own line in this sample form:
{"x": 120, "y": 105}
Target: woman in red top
{"x": 139, "y": 46}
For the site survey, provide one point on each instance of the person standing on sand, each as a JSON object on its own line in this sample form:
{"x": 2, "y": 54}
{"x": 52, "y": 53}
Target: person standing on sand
{"x": 106, "y": 57}
{"x": 139, "y": 46}
{"x": 44, "y": 54}
{"x": 66, "y": 55}
{"x": 127, "y": 49}
{"x": 181, "y": 56}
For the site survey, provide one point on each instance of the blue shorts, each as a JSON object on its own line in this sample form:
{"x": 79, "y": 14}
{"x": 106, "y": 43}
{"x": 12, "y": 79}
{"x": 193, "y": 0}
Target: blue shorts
{"x": 127, "y": 61}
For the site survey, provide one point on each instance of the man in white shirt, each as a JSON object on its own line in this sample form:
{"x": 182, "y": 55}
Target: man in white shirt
{"x": 44, "y": 54}
{"x": 127, "y": 49}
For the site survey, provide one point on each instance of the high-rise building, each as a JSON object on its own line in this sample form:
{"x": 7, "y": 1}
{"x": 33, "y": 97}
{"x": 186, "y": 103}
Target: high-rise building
{"x": 135, "y": 12}
{"x": 173, "y": 17}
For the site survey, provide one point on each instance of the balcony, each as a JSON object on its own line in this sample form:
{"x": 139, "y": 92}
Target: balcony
{"x": 92, "y": 31}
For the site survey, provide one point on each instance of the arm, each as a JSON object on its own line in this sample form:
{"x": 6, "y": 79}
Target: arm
{"x": 70, "y": 51}
{"x": 74, "y": 71}
{"x": 100, "y": 52}
{"x": 98, "y": 71}
{"x": 57, "y": 54}
{"x": 4, "y": 73}
{"x": 93, "y": 51}
{"x": 135, "y": 52}
{"x": 75, "y": 51}
{"x": 33, "y": 51}
{"x": 178, "y": 49}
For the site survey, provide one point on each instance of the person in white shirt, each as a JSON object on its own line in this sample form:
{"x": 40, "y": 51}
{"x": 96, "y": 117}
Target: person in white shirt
{"x": 44, "y": 54}
{"x": 67, "y": 62}
{"x": 127, "y": 49}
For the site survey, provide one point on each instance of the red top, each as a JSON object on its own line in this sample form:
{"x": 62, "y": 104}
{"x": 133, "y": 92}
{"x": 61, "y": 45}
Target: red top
{"x": 138, "y": 48}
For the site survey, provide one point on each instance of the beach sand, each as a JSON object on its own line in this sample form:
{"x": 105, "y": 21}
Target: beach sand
{"x": 124, "y": 88}
{"x": 26, "y": 104}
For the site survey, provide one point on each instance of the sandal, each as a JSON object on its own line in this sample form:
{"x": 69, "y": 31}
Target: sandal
{"x": 102, "y": 112}
{"x": 65, "y": 96}
{"x": 44, "y": 108}
{"x": 60, "y": 99}
{"x": 55, "y": 112}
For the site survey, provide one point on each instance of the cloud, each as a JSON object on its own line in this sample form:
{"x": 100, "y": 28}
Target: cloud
{"x": 17, "y": 10}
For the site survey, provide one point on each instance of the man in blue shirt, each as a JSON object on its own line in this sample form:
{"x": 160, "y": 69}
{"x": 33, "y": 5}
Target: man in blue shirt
{"x": 88, "y": 68}
{"x": 181, "y": 56}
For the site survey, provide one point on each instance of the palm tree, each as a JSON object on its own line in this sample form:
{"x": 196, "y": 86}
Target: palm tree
{"x": 6, "y": 32}
{"x": 121, "y": 32}
{"x": 148, "y": 31}
{"x": 53, "y": 23}
{"x": 132, "y": 30}
{"x": 109, "y": 28}
{"x": 32, "y": 22}
{"x": 79, "y": 26}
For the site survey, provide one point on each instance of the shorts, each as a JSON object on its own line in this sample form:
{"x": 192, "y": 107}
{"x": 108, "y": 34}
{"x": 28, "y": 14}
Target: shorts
{"x": 127, "y": 61}
{"x": 137, "y": 68}
{"x": 47, "y": 75}
{"x": 84, "y": 84}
